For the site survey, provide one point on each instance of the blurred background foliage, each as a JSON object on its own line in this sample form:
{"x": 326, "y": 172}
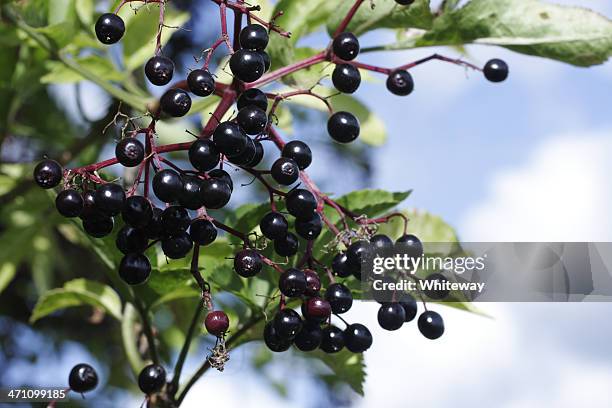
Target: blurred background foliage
{"x": 59, "y": 91}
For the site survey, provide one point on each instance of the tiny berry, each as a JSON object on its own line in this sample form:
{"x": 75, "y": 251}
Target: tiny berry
{"x": 332, "y": 340}
{"x": 410, "y": 245}
{"x": 175, "y": 102}
{"x": 273, "y": 341}
{"x": 254, "y": 37}
{"x": 48, "y": 174}
{"x": 339, "y": 265}
{"x": 177, "y": 246}
{"x": 287, "y": 323}
{"x": 154, "y": 228}
{"x": 339, "y": 297}
{"x": 217, "y": 323}
{"x": 98, "y": 225}
{"x": 203, "y": 155}
{"x": 137, "y": 211}
{"x": 129, "y": 152}
{"x": 152, "y": 379}
{"x": 273, "y": 225}
{"x": 202, "y": 232}
{"x": 313, "y": 283}
{"x": 134, "y": 269}
{"x": 299, "y": 152}
{"x": 252, "y": 120}
{"x": 346, "y": 46}
{"x": 69, "y": 203}
{"x": 109, "y": 28}
{"x": 301, "y": 203}
{"x": 159, "y": 70}
{"x": 253, "y": 97}
{"x": 410, "y": 306}
{"x": 247, "y": 65}
{"x": 309, "y": 337}
{"x": 131, "y": 240}
{"x": 346, "y": 78}
{"x": 216, "y": 193}
{"x": 285, "y": 171}
{"x": 200, "y": 82}
{"x": 230, "y": 139}
{"x": 292, "y": 282}
{"x": 167, "y": 185}
{"x": 309, "y": 229}
{"x": 316, "y": 309}
{"x": 343, "y": 127}
{"x": 391, "y": 316}
{"x": 175, "y": 219}
{"x": 191, "y": 196}
{"x": 247, "y": 155}
{"x": 400, "y": 82}
{"x": 496, "y": 70}
{"x": 222, "y": 175}
{"x": 287, "y": 245}
{"x": 110, "y": 198}
{"x": 82, "y": 378}
{"x": 431, "y": 324}
{"x": 248, "y": 263}
{"x": 357, "y": 338}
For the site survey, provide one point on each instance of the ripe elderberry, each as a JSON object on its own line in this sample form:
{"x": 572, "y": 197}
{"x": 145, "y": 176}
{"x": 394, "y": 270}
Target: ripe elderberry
{"x": 496, "y": 70}
{"x": 259, "y": 154}
{"x": 301, "y": 203}
{"x": 248, "y": 263}
{"x": 404, "y": 2}
{"x": 356, "y": 254}
{"x": 287, "y": 323}
{"x": 253, "y": 97}
{"x": 313, "y": 283}
{"x": 400, "y": 82}
{"x": 309, "y": 337}
{"x": 357, "y": 338}
{"x": 252, "y": 120}
{"x": 200, "y": 82}
{"x": 154, "y": 228}
{"x": 292, "y": 282}
{"x": 316, "y": 309}
{"x": 216, "y": 193}
{"x": 346, "y": 78}
{"x": 98, "y": 225}
{"x": 175, "y": 219}
{"x": 343, "y": 127}
{"x": 332, "y": 340}
{"x": 273, "y": 225}
{"x": 159, "y": 70}
{"x": 177, "y": 246}
{"x": 129, "y": 152}
{"x": 191, "y": 196}
{"x": 69, "y": 203}
{"x": 134, "y": 269}
{"x": 266, "y": 59}
{"x": 131, "y": 240}
{"x": 273, "y": 341}
{"x": 436, "y": 294}
{"x": 381, "y": 243}
{"x": 287, "y": 245}
{"x": 89, "y": 204}
{"x": 410, "y": 306}
{"x": 230, "y": 139}
{"x": 410, "y": 245}
{"x": 217, "y": 323}
{"x": 285, "y": 171}
{"x": 247, "y": 65}
{"x": 202, "y": 232}
{"x": 431, "y": 324}
{"x": 339, "y": 265}
{"x": 152, "y": 379}
{"x": 223, "y": 176}
{"x": 109, "y": 28}
{"x": 110, "y": 198}
{"x": 248, "y": 154}
{"x": 48, "y": 174}
{"x": 167, "y": 185}
{"x": 299, "y": 152}
{"x": 391, "y": 316}
{"x": 175, "y": 102}
{"x": 339, "y": 297}
{"x": 82, "y": 378}
{"x": 346, "y": 46}
{"x": 254, "y": 37}
{"x": 203, "y": 155}
{"x": 309, "y": 229}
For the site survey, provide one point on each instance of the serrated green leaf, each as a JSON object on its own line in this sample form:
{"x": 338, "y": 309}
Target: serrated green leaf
{"x": 372, "y": 202}
{"x": 97, "y": 65}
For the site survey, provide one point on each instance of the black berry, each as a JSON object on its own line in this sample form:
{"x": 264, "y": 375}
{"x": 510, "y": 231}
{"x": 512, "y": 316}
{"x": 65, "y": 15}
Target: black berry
{"x": 129, "y": 152}
{"x": 69, "y": 203}
{"x": 131, "y": 240}
{"x": 110, "y": 198}
{"x": 203, "y": 155}
{"x": 200, "y": 82}
{"x": 137, "y": 211}
{"x": 357, "y": 338}
{"x": 381, "y": 243}
{"x": 273, "y": 341}
{"x": 259, "y": 154}
{"x": 247, "y": 65}
{"x": 177, "y": 246}
{"x": 410, "y": 306}
{"x": 175, "y": 102}
{"x": 313, "y": 283}
{"x": 109, "y": 28}
{"x": 332, "y": 340}
{"x": 152, "y": 379}
{"x": 309, "y": 229}
{"x": 287, "y": 323}
{"x": 89, "y": 204}
{"x": 82, "y": 378}
{"x": 437, "y": 294}
{"x": 167, "y": 185}
{"x": 134, "y": 269}
{"x": 223, "y": 176}
{"x": 202, "y": 232}
{"x": 254, "y": 37}
{"x": 343, "y": 127}
{"x": 175, "y": 219}
{"x": 159, "y": 70}
{"x": 301, "y": 203}
{"x": 216, "y": 193}
{"x": 356, "y": 254}
{"x": 230, "y": 139}
{"x": 346, "y": 46}
{"x": 339, "y": 265}
{"x": 48, "y": 173}
{"x": 309, "y": 337}
{"x": 410, "y": 245}
{"x": 299, "y": 152}
{"x": 391, "y": 316}
{"x": 287, "y": 245}
{"x": 217, "y": 323}
{"x": 253, "y": 97}
{"x": 248, "y": 263}
{"x": 292, "y": 282}
{"x": 346, "y": 78}
{"x": 98, "y": 225}
{"x": 266, "y": 59}
{"x": 400, "y": 82}
{"x": 404, "y": 2}
{"x": 339, "y": 297}
{"x": 431, "y": 324}
{"x": 154, "y": 228}
{"x": 316, "y": 309}
{"x": 252, "y": 120}
{"x": 191, "y": 196}
{"x": 247, "y": 155}
{"x": 496, "y": 70}
{"x": 273, "y": 225}
{"x": 285, "y": 171}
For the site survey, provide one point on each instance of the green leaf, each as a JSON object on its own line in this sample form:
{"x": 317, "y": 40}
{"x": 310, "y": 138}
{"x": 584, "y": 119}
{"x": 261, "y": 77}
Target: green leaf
{"x": 346, "y": 366}
{"x": 85, "y": 10}
{"x": 78, "y": 292}
{"x": 97, "y": 65}
{"x": 372, "y": 202}
{"x": 570, "y": 34}
{"x": 7, "y": 273}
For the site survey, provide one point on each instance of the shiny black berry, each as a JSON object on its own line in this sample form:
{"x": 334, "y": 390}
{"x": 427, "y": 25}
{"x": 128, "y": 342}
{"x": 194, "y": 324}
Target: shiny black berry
{"x": 69, "y": 203}
{"x": 248, "y": 263}
{"x": 381, "y": 244}
{"x": 313, "y": 283}
{"x": 175, "y": 219}
{"x": 404, "y": 2}
{"x": 253, "y": 97}
{"x": 154, "y": 227}
{"x": 134, "y": 269}
{"x": 109, "y": 28}
{"x": 391, "y": 316}
{"x": 273, "y": 225}
{"x": 247, "y": 155}
{"x": 259, "y": 154}
{"x": 410, "y": 306}
{"x": 285, "y": 171}
{"x": 299, "y": 152}
{"x": 191, "y": 196}
{"x": 167, "y": 185}
{"x": 131, "y": 240}
{"x": 410, "y": 245}
{"x": 175, "y": 102}
{"x": 301, "y": 203}
{"x": 48, "y": 173}
{"x": 357, "y": 338}
{"x": 339, "y": 265}
{"x": 343, "y": 127}
{"x": 129, "y": 152}
{"x": 152, "y": 379}
{"x": 332, "y": 340}
{"x": 223, "y": 176}
{"x": 434, "y": 293}
{"x": 400, "y": 82}
{"x": 252, "y": 120}
{"x": 357, "y": 254}
{"x": 346, "y": 78}
{"x": 309, "y": 337}
{"x": 230, "y": 139}
{"x": 309, "y": 229}
{"x": 316, "y": 309}
{"x": 82, "y": 378}
{"x": 292, "y": 282}
{"x": 286, "y": 246}
{"x": 203, "y": 155}
{"x": 431, "y": 324}
{"x": 216, "y": 193}
{"x": 339, "y": 297}
{"x": 202, "y": 232}
{"x": 254, "y": 37}
{"x": 266, "y": 59}
{"x": 287, "y": 323}
{"x": 247, "y": 65}
{"x": 89, "y": 204}
{"x": 346, "y": 46}
{"x": 98, "y": 225}
{"x": 496, "y": 70}
{"x": 177, "y": 246}
{"x": 110, "y": 198}
{"x": 273, "y": 341}
{"x": 200, "y": 82}
{"x": 159, "y": 70}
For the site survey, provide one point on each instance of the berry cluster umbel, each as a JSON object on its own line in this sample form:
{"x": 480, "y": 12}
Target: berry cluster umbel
{"x": 170, "y": 205}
